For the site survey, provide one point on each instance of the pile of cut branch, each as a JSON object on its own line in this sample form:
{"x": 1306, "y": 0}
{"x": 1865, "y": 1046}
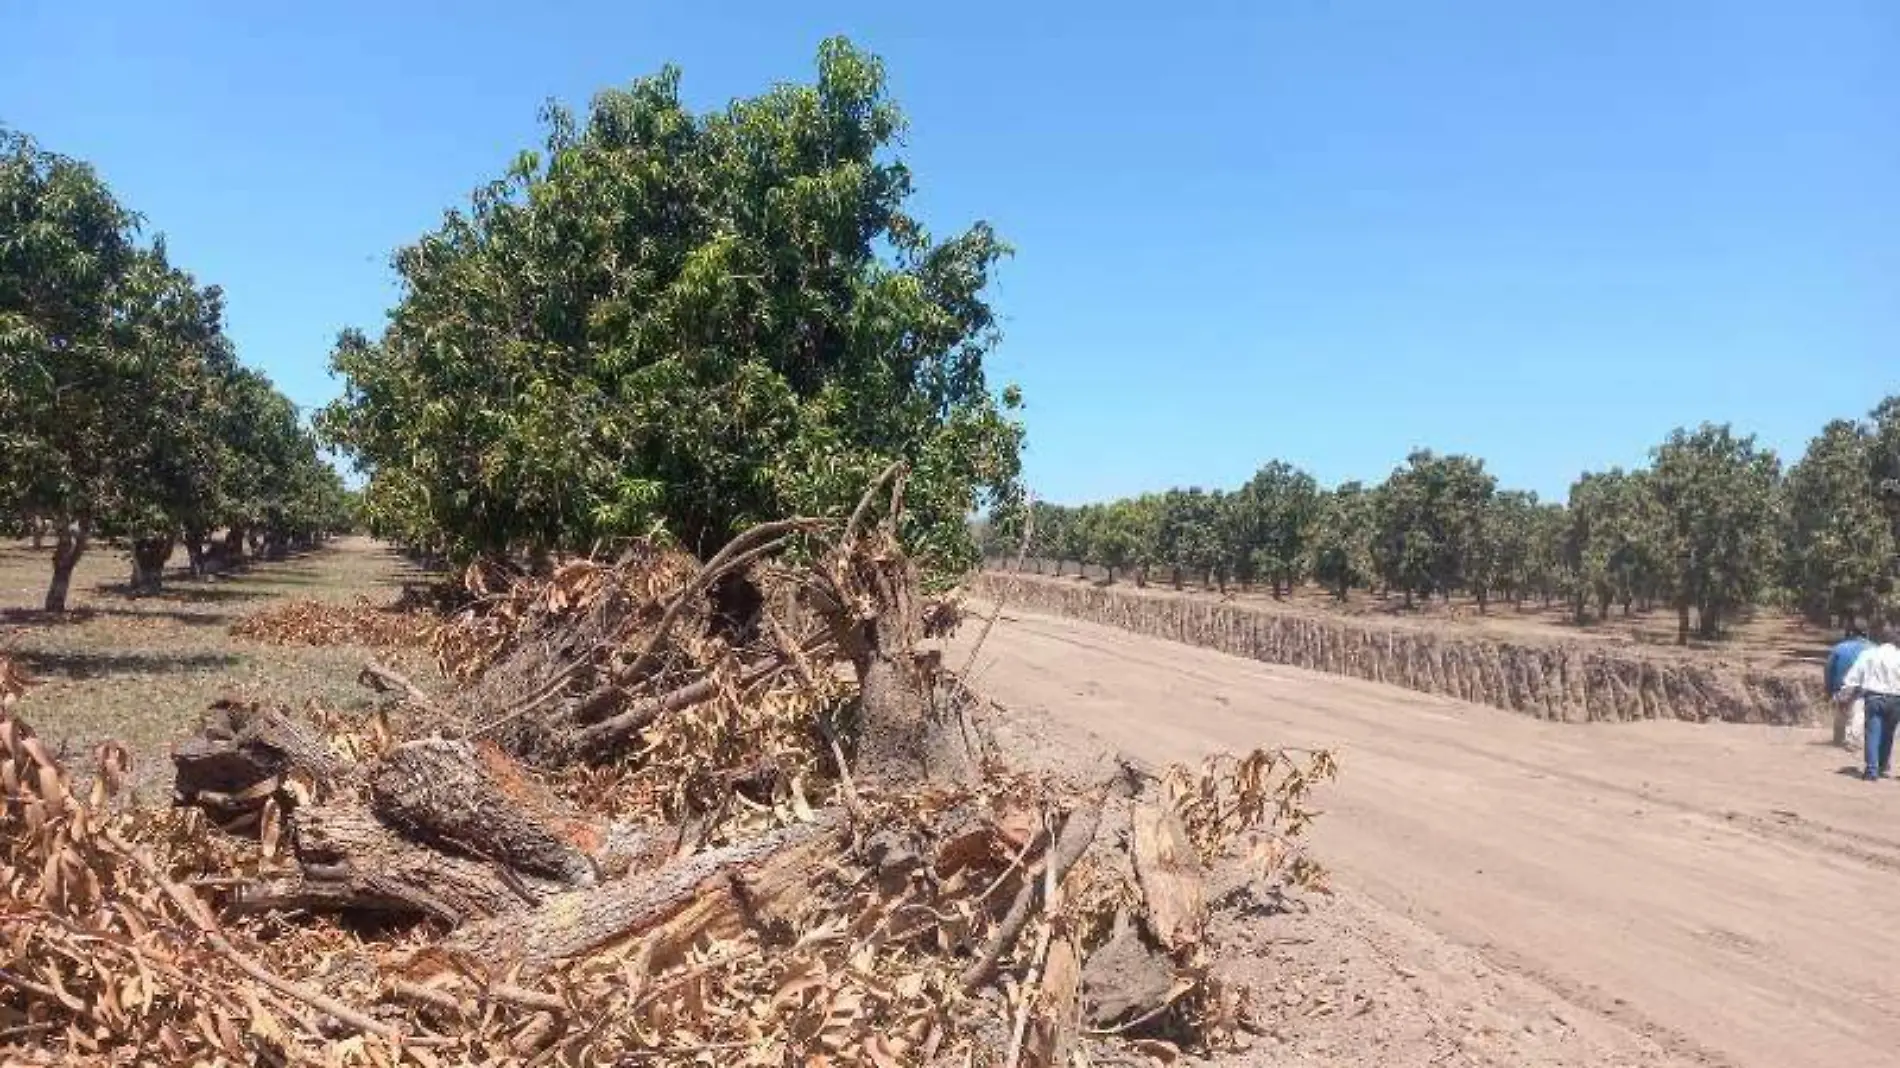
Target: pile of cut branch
{"x": 730, "y": 813}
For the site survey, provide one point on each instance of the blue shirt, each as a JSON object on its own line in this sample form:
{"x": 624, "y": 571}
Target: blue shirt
{"x": 1841, "y": 659}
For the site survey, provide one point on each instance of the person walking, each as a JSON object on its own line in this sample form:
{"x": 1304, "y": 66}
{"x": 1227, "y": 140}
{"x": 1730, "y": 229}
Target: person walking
{"x": 1875, "y": 677}
{"x": 1848, "y": 718}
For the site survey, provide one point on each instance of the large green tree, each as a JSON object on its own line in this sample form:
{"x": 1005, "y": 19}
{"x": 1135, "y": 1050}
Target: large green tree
{"x": 1839, "y": 561}
{"x": 1279, "y": 506}
{"x": 1617, "y": 541}
{"x": 689, "y": 322}
{"x": 1429, "y": 521}
{"x": 1342, "y": 539}
{"x": 120, "y": 394}
{"x": 1718, "y": 496}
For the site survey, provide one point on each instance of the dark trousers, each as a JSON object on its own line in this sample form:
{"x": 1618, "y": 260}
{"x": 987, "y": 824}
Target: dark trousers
{"x": 1883, "y": 721}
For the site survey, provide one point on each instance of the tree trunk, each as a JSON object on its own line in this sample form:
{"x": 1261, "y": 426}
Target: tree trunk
{"x": 148, "y": 563}
{"x": 1682, "y": 623}
{"x": 1708, "y": 623}
{"x": 1408, "y": 598}
{"x": 195, "y": 553}
{"x": 1484, "y": 600}
{"x": 67, "y": 549}
{"x": 233, "y": 546}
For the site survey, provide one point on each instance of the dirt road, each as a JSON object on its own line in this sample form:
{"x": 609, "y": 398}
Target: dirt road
{"x": 1653, "y": 893}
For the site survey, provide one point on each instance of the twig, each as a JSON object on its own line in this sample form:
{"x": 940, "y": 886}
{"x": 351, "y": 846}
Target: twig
{"x": 799, "y": 661}
{"x": 738, "y": 552}
{"x": 1032, "y": 985}
{"x": 1078, "y": 833}
{"x": 742, "y": 550}
{"x": 996, "y": 610}
{"x": 504, "y": 993}
{"x": 379, "y": 676}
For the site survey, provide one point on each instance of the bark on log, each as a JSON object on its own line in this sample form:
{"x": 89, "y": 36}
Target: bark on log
{"x": 718, "y": 892}
{"x": 473, "y": 799}
{"x": 350, "y": 861}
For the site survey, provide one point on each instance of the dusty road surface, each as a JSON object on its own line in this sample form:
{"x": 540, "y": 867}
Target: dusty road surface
{"x": 1518, "y": 892}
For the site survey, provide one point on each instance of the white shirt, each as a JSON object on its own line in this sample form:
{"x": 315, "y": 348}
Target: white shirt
{"x": 1875, "y": 671}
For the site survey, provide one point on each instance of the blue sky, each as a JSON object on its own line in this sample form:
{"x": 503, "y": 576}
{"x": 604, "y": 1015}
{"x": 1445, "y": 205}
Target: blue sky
{"x": 1544, "y": 233}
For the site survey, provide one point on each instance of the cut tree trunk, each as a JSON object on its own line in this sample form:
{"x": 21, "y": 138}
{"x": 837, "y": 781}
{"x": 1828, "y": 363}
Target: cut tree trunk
{"x": 350, "y": 861}
{"x": 240, "y": 756}
{"x": 1170, "y": 875}
{"x": 473, "y": 798}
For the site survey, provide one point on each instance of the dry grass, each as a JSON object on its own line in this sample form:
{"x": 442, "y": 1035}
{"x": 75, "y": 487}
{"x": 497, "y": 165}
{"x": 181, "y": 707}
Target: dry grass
{"x": 140, "y": 669}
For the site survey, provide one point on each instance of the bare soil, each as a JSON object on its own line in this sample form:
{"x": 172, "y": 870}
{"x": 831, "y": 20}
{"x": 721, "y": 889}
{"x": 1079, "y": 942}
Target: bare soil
{"x": 141, "y": 669}
{"x": 1511, "y": 891}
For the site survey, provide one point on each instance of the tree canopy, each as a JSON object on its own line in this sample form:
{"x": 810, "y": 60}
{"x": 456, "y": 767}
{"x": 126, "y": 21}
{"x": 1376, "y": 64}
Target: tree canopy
{"x": 680, "y": 322}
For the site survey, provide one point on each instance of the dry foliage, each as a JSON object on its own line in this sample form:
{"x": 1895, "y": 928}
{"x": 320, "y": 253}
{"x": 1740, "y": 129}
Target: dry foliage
{"x": 328, "y": 623}
{"x": 927, "y": 923}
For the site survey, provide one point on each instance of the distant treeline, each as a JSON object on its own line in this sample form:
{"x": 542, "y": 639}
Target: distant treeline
{"x": 124, "y": 411}
{"x": 1711, "y": 527}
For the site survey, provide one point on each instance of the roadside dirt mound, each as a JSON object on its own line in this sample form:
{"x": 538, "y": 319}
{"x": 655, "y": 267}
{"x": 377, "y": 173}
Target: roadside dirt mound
{"x": 1569, "y": 681}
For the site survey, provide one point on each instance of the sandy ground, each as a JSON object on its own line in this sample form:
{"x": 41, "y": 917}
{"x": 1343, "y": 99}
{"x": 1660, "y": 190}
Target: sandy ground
{"x": 1514, "y": 892}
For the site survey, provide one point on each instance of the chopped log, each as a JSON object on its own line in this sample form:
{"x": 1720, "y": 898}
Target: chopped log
{"x": 718, "y": 892}
{"x": 473, "y": 799}
{"x": 1169, "y": 871}
{"x": 233, "y": 764}
{"x": 350, "y": 861}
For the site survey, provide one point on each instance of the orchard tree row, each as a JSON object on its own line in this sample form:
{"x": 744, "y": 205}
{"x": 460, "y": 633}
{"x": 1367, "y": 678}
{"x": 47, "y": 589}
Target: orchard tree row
{"x": 1709, "y": 529}
{"x": 124, "y": 412}
{"x": 678, "y": 323}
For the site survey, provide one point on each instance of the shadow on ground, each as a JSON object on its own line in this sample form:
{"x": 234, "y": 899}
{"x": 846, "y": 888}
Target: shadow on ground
{"x": 75, "y": 664}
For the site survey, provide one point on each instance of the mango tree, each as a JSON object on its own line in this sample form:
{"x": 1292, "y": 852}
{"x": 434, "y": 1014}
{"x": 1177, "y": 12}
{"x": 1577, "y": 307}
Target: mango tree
{"x": 686, "y": 322}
